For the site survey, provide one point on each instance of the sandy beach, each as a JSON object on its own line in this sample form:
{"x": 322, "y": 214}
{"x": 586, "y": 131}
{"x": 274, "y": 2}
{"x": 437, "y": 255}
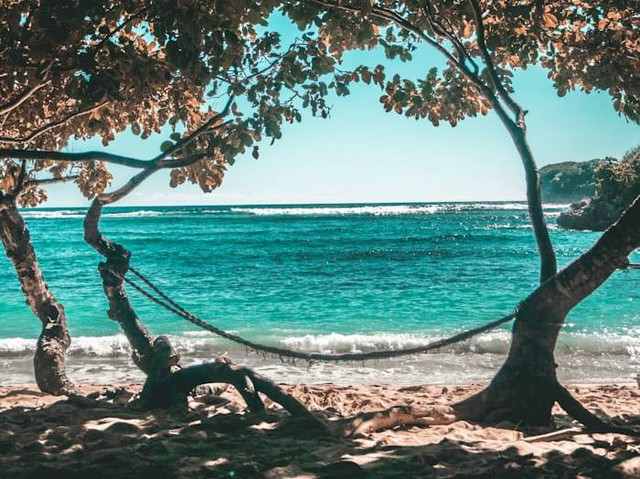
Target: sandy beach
{"x": 96, "y": 434}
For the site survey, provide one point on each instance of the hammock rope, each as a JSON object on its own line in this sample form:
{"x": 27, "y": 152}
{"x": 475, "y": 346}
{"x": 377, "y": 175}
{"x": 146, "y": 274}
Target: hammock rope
{"x": 172, "y": 306}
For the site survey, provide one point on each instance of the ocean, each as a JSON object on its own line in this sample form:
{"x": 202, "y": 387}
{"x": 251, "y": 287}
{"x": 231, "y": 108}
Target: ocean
{"x": 324, "y": 278}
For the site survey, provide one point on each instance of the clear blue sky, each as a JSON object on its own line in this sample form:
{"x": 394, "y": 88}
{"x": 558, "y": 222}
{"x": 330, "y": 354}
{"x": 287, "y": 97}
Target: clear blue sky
{"x": 362, "y": 154}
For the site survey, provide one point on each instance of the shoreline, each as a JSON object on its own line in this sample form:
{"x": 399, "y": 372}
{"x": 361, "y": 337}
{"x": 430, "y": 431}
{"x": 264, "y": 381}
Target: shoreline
{"x": 582, "y": 358}
{"x": 433, "y": 369}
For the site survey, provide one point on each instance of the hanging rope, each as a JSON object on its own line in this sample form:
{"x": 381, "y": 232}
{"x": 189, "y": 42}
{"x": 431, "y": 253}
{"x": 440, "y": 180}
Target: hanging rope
{"x": 172, "y": 306}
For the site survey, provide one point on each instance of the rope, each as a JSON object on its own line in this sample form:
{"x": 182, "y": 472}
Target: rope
{"x": 170, "y": 305}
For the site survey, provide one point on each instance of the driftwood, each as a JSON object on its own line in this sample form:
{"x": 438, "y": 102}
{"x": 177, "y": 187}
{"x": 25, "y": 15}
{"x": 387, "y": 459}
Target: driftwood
{"x": 367, "y": 423}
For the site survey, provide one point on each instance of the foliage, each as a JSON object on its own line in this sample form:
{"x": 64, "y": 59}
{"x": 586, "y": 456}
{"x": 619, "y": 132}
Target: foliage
{"x": 74, "y": 69}
{"x": 619, "y": 182}
{"x": 583, "y": 45}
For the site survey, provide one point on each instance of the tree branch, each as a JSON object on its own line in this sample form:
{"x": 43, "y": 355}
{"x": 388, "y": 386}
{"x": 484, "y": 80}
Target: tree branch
{"x": 48, "y": 127}
{"x": 440, "y": 29}
{"x": 92, "y": 233}
{"x": 132, "y": 17}
{"x": 20, "y": 180}
{"x": 22, "y": 97}
{"x": 51, "y": 181}
{"x": 493, "y": 75}
{"x": 160, "y": 160}
{"x": 516, "y": 129}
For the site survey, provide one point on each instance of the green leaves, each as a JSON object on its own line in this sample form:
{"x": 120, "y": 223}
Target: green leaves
{"x": 166, "y": 145}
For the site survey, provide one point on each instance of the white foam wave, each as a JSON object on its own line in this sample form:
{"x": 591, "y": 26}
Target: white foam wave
{"x": 49, "y": 214}
{"x": 52, "y": 214}
{"x": 383, "y": 210}
{"x": 373, "y": 210}
{"x": 496, "y": 342}
{"x": 135, "y": 214}
{"x": 206, "y": 345}
{"x": 340, "y": 210}
{"x": 310, "y": 210}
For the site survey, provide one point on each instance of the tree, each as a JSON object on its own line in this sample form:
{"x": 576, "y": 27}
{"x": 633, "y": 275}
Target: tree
{"x": 582, "y": 45}
{"x": 82, "y": 69}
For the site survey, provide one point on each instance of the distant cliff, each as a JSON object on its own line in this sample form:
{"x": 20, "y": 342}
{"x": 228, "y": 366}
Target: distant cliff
{"x": 569, "y": 181}
{"x": 599, "y": 189}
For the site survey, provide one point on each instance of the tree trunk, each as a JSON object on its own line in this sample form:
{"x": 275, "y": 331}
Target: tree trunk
{"x": 548, "y": 262}
{"x": 526, "y": 387}
{"x": 112, "y": 271}
{"x": 49, "y": 359}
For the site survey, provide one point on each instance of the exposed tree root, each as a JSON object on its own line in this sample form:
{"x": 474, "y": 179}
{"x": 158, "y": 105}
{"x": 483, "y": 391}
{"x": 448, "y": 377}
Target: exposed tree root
{"x": 593, "y": 423}
{"x": 556, "y": 435}
{"x": 167, "y": 386}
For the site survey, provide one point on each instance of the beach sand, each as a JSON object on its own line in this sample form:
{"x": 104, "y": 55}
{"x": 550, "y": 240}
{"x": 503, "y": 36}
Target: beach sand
{"x": 94, "y": 435}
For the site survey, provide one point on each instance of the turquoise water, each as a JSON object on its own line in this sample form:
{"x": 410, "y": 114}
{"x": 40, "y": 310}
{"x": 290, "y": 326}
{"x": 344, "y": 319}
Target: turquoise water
{"x": 323, "y": 278}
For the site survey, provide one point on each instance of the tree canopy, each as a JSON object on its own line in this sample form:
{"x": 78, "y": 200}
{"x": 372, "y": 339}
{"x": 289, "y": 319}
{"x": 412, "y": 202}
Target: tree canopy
{"x": 78, "y": 69}
{"x": 583, "y": 45}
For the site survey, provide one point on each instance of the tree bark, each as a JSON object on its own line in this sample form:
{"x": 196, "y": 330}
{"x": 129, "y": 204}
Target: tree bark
{"x": 526, "y": 387}
{"x": 49, "y": 359}
{"x": 548, "y": 262}
{"x": 168, "y": 385}
{"x": 112, "y": 271}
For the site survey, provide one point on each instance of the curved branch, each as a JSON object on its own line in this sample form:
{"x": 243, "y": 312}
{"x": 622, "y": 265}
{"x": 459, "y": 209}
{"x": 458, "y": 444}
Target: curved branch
{"x": 165, "y": 387}
{"x": 160, "y": 161}
{"x": 51, "y": 181}
{"x": 20, "y": 181}
{"x": 369, "y": 422}
{"x": 8, "y": 153}
{"x": 48, "y": 127}
{"x": 516, "y": 129}
{"x": 592, "y": 422}
{"x": 92, "y": 234}
{"x": 21, "y": 98}
{"x": 440, "y": 29}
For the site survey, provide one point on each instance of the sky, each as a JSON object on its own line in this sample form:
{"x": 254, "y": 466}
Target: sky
{"x": 361, "y": 154}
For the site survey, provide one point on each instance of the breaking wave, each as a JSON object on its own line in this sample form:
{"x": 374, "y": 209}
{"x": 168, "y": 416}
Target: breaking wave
{"x": 202, "y": 344}
{"x": 304, "y": 210}
{"x": 382, "y": 210}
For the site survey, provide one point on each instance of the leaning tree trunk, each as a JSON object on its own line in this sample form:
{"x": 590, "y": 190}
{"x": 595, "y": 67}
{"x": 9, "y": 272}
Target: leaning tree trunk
{"x": 526, "y": 387}
{"x": 112, "y": 272}
{"x": 49, "y": 359}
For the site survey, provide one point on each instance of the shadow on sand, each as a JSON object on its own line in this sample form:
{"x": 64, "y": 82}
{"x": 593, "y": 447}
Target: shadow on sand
{"x": 95, "y": 437}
